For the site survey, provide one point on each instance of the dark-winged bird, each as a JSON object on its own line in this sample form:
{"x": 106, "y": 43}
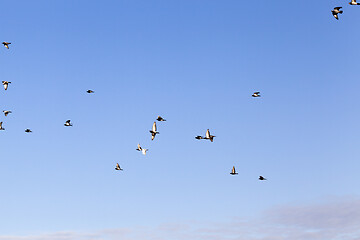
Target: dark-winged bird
{"x": 199, "y": 137}
{"x": 143, "y": 150}
{"x": 28, "y": 130}
{"x": 233, "y": 171}
{"x": 353, "y": 2}
{"x": 261, "y": 178}
{"x": 90, "y": 91}
{"x": 160, "y": 119}
{"x": 209, "y": 136}
{"x": 68, "y": 123}
{"x": 6, "y": 84}
{"x": 153, "y": 131}
{"x": 336, "y": 11}
{"x": 256, "y": 94}
{"x": 6, "y": 44}
{"x": 6, "y": 112}
{"x": 118, "y": 167}
{"x": 1, "y": 128}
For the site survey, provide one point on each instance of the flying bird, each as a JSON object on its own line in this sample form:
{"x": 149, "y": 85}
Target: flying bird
{"x": 1, "y": 128}
{"x": 153, "y": 131}
{"x": 68, "y": 123}
{"x": 353, "y": 2}
{"x": 6, "y": 84}
{"x": 118, "y": 167}
{"x": 6, "y": 112}
{"x": 160, "y": 119}
{"x": 143, "y": 150}
{"x": 256, "y": 94}
{"x": 233, "y": 171}
{"x": 90, "y": 91}
{"x": 209, "y": 136}
{"x": 261, "y": 178}
{"x": 336, "y": 11}
{"x": 6, "y": 44}
{"x": 28, "y": 130}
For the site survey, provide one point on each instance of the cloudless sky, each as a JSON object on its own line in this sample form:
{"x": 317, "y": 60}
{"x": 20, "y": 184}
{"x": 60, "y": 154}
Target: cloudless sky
{"x": 196, "y": 63}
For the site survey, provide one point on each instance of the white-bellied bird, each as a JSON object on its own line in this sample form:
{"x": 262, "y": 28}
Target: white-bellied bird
{"x": 153, "y": 131}
{"x": 118, "y": 167}
{"x": 6, "y": 44}
{"x": 336, "y": 11}
{"x": 6, "y": 84}
{"x": 68, "y": 123}
{"x": 6, "y": 112}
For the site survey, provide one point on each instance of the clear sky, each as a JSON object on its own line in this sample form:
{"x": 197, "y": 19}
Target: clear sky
{"x": 196, "y": 63}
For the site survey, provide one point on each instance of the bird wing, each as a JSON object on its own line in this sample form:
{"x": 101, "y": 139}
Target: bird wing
{"x": 337, "y": 8}
{"x": 1, "y": 124}
{"x": 117, "y": 165}
{"x": 139, "y": 147}
{"x": 67, "y": 121}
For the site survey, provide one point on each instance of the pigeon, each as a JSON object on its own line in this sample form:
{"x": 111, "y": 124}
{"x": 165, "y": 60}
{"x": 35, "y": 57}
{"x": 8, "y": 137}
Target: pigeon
{"x": 6, "y": 112}
{"x": 160, "y": 119}
{"x": 1, "y": 128}
{"x": 6, "y": 44}
{"x": 118, "y": 167}
{"x": 68, "y": 123}
{"x": 256, "y": 94}
{"x": 336, "y": 11}
{"x": 6, "y": 84}
{"x": 143, "y": 150}
{"x": 209, "y": 136}
{"x": 233, "y": 171}
{"x": 199, "y": 137}
{"x": 28, "y": 130}
{"x": 353, "y": 2}
{"x": 90, "y": 91}
{"x": 261, "y": 178}
{"x": 153, "y": 131}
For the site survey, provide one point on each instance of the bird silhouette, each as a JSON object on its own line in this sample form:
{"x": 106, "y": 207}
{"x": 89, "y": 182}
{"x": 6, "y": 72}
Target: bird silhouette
{"x": 233, "y": 171}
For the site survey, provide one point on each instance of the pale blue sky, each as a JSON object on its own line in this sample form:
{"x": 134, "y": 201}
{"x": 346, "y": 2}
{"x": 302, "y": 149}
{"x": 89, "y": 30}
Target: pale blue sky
{"x": 196, "y": 63}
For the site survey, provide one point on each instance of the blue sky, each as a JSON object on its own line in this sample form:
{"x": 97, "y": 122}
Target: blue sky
{"x": 196, "y": 63}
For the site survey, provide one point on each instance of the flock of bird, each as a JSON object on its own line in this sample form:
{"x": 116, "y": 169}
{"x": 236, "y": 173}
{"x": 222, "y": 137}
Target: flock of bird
{"x": 337, "y": 10}
{"x": 153, "y": 130}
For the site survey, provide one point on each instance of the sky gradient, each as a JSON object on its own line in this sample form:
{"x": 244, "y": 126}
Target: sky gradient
{"x": 195, "y": 63}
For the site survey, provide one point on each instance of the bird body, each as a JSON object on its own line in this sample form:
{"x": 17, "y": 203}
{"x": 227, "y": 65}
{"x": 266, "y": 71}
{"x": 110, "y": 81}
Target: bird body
{"x": 160, "y": 119}
{"x": 1, "y": 128}
{"x": 199, "y": 137}
{"x": 143, "y": 150}
{"x": 353, "y": 2}
{"x": 256, "y": 94}
{"x": 233, "y": 171}
{"x": 68, "y": 123}
{"x": 336, "y": 11}
{"x": 209, "y": 136}
{"x": 118, "y": 167}
{"x": 6, "y": 112}
{"x": 6, "y": 84}
{"x": 153, "y": 131}
{"x": 6, "y": 44}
